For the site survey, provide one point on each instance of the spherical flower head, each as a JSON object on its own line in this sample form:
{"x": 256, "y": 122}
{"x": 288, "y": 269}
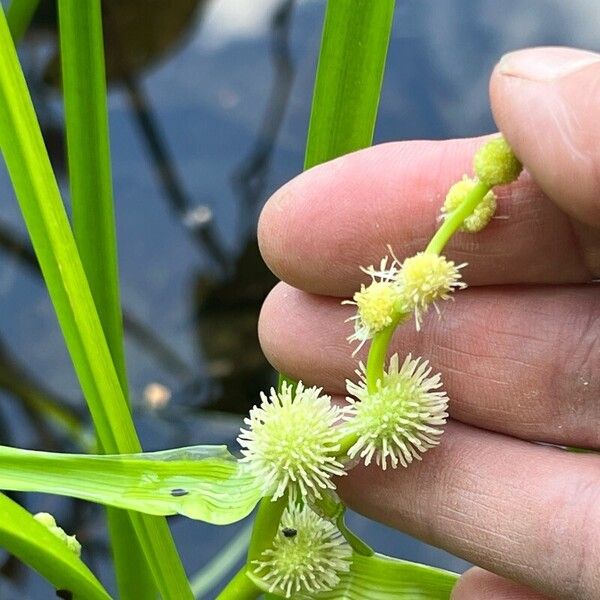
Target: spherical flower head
{"x": 291, "y": 441}
{"x": 496, "y": 164}
{"x": 483, "y": 212}
{"x": 378, "y": 304}
{"x": 425, "y": 278}
{"x": 48, "y": 521}
{"x": 401, "y": 419}
{"x": 306, "y": 557}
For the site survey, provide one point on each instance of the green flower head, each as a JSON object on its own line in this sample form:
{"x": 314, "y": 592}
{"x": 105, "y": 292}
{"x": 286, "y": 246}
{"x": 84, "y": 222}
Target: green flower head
{"x": 291, "y": 441}
{"x": 401, "y": 419}
{"x": 483, "y": 212}
{"x": 496, "y": 164}
{"x": 307, "y": 556}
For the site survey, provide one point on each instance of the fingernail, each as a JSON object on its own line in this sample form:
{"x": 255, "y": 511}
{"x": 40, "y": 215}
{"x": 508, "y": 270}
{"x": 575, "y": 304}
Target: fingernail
{"x": 545, "y": 64}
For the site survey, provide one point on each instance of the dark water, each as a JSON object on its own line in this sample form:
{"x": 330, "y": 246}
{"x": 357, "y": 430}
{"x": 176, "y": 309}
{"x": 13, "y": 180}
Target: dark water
{"x": 209, "y": 107}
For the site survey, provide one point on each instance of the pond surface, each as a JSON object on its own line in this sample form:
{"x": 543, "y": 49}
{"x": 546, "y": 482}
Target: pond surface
{"x": 209, "y": 106}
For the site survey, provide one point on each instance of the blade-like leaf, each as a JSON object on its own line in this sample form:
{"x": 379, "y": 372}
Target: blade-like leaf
{"x": 349, "y": 76}
{"x": 19, "y": 15}
{"x": 380, "y": 577}
{"x": 90, "y": 182}
{"x": 41, "y": 205}
{"x": 36, "y": 546}
{"x": 199, "y": 482}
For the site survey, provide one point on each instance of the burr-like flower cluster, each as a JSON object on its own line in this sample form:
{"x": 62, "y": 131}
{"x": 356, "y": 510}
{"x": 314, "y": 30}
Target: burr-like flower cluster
{"x": 496, "y": 164}
{"x": 307, "y": 555}
{"x": 378, "y": 304}
{"x": 426, "y": 278}
{"x": 292, "y": 441}
{"x": 400, "y": 289}
{"x": 401, "y": 418}
{"x": 484, "y": 211}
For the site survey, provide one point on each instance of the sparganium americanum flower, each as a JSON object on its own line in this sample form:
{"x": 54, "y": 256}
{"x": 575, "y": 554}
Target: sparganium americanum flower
{"x": 483, "y": 212}
{"x": 307, "y": 555}
{"x": 401, "y": 418}
{"x": 291, "y": 441}
{"x": 496, "y": 164}
{"x": 425, "y": 278}
{"x": 376, "y": 304}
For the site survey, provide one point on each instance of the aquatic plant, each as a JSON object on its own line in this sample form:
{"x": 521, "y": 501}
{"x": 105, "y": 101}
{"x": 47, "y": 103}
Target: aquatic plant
{"x": 295, "y": 442}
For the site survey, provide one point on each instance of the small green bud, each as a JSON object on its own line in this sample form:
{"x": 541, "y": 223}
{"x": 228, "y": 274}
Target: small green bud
{"x": 496, "y": 164}
{"x": 483, "y": 212}
{"x": 48, "y": 521}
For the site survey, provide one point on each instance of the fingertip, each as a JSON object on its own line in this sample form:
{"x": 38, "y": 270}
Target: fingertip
{"x": 272, "y": 321}
{"x": 546, "y": 103}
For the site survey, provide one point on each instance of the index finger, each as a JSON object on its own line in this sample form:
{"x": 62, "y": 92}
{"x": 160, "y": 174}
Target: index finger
{"x": 320, "y": 227}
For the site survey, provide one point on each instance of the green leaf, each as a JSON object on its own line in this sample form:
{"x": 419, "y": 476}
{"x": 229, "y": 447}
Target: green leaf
{"x": 19, "y": 15}
{"x": 90, "y": 180}
{"x": 199, "y": 482}
{"x": 380, "y": 577}
{"x": 44, "y": 552}
{"x": 349, "y": 77}
{"x": 41, "y": 205}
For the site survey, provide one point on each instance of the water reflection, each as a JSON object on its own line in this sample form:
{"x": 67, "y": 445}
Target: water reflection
{"x": 209, "y": 106}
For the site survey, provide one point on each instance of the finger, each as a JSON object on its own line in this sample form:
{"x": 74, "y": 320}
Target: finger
{"x": 477, "y": 584}
{"x": 321, "y": 226}
{"x": 546, "y": 101}
{"x": 522, "y": 361}
{"x": 530, "y": 513}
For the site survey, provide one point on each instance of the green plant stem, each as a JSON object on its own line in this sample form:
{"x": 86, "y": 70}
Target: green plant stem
{"x": 359, "y": 546}
{"x": 266, "y": 524}
{"x": 456, "y": 218}
{"x": 86, "y": 117}
{"x": 35, "y": 545}
{"x": 19, "y": 15}
{"x": 90, "y": 178}
{"x": 381, "y": 341}
{"x": 378, "y": 353}
{"x": 39, "y": 198}
{"x": 264, "y": 529}
{"x": 354, "y": 45}
{"x": 240, "y": 587}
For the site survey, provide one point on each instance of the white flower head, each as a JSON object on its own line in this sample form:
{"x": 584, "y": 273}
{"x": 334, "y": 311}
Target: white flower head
{"x": 401, "y": 419}
{"x": 306, "y": 557}
{"x": 425, "y": 278}
{"x": 291, "y": 441}
{"x": 376, "y": 304}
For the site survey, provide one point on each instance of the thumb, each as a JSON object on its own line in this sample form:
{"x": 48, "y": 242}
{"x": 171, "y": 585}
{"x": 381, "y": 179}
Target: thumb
{"x": 546, "y": 102}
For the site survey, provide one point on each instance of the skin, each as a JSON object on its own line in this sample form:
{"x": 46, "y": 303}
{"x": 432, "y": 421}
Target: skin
{"x": 519, "y": 351}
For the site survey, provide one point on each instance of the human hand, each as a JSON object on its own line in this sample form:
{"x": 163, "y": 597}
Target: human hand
{"x": 519, "y": 351}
